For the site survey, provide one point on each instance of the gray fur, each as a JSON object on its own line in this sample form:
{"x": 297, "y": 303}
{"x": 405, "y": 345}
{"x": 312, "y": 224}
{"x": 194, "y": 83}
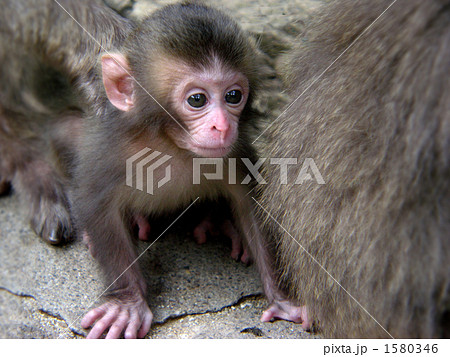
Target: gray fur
{"x": 377, "y": 125}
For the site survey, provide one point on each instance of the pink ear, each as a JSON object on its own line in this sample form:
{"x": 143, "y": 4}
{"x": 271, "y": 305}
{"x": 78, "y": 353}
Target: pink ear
{"x": 117, "y": 81}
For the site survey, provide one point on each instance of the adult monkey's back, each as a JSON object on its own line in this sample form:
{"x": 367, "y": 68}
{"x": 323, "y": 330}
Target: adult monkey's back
{"x": 377, "y": 126}
{"x": 47, "y": 82}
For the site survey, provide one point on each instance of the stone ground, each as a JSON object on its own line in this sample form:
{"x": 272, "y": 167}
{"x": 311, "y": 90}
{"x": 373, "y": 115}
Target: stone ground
{"x": 195, "y": 291}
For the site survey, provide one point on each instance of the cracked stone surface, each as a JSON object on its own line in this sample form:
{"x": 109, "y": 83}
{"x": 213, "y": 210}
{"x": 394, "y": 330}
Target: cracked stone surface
{"x": 194, "y": 291}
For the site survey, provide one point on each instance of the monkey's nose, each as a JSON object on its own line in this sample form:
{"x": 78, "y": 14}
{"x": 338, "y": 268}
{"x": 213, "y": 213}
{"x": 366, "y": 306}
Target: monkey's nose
{"x": 221, "y": 129}
{"x": 220, "y": 135}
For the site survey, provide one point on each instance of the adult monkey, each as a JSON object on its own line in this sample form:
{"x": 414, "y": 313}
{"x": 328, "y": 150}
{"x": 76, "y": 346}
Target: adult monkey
{"x": 377, "y": 125}
{"x": 179, "y": 82}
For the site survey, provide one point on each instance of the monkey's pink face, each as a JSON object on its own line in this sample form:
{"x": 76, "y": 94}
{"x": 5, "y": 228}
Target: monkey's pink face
{"x": 210, "y": 104}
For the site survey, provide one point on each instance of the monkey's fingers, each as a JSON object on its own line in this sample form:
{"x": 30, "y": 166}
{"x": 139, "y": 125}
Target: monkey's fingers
{"x": 139, "y": 323}
{"x": 145, "y": 327}
{"x": 91, "y": 317}
{"x": 100, "y": 318}
{"x": 117, "y": 326}
{"x": 285, "y": 310}
{"x": 118, "y": 318}
{"x": 133, "y": 326}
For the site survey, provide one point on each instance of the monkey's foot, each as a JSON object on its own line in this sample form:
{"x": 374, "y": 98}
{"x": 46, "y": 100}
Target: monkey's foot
{"x": 52, "y": 222}
{"x": 130, "y": 319}
{"x": 143, "y": 227}
{"x": 286, "y": 310}
{"x": 207, "y": 227}
{"x": 237, "y": 248}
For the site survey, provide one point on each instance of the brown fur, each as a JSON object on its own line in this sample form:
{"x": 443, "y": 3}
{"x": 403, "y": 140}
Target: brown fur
{"x": 46, "y": 63}
{"x": 377, "y": 125}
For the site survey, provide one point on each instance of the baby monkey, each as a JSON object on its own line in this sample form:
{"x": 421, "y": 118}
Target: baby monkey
{"x": 179, "y": 84}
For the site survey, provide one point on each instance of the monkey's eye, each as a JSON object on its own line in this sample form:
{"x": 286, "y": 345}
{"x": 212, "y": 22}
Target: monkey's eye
{"x": 197, "y": 100}
{"x": 233, "y": 97}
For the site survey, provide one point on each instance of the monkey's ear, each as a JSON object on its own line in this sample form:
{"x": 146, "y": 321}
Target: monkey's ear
{"x": 118, "y": 81}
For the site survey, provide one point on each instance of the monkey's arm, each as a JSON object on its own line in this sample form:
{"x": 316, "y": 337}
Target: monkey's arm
{"x": 99, "y": 211}
{"x": 126, "y": 310}
{"x": 280, "y": 307}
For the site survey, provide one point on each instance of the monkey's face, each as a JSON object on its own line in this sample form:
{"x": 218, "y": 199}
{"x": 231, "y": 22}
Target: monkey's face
{"x": 209, "y": 103}
{"x": 204, "y": 105}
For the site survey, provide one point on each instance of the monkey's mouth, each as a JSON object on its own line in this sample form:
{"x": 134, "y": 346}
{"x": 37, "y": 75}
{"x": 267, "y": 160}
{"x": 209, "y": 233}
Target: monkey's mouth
{"x": 212, "y": 152}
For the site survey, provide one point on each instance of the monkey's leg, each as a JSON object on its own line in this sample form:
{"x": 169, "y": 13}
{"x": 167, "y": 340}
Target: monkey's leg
{"x": 280, "y": 307}
{"x": 202, "y": 230}
{"x": 37, "y": 182}
{"x": 125, "y": 311}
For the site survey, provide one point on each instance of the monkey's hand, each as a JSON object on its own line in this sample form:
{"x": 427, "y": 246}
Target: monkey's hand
{"x": 133, "y": 319}
{"x": 286, "y": 310}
